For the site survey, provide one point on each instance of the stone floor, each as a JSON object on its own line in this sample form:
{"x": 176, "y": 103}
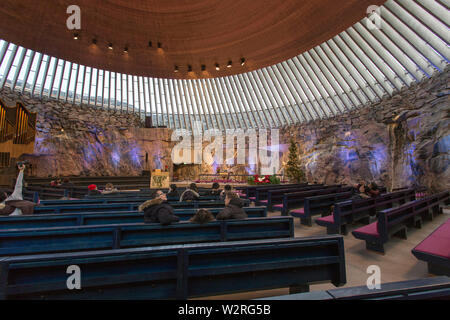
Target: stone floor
{"x": 397, "y": 264}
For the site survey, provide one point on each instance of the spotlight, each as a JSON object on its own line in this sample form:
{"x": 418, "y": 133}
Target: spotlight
{"x": 203, "y": 67}
{"x": 189, "y": 68}
{"x": 176, "y": 69}
{"x": 217, "y": 67}
{"x": 110, "y": 46}
{"x": 230, "y": 63}
{"x": 242, "y": 61}
{"x": 150, "y": 44}
{"x": 125, "y": 50}
{"x": 94, "y": 41}
{"x": 76, "y": 36}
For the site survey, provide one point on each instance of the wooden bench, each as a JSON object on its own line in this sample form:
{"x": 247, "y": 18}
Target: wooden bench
{"x": 261, "y": 194}
{"x": 318, "y": 205}
{"x": 275, "y": 197}
{"x": 352, "y": 211}
{"x": 178, "y": 271}
{"x": 86, "y": 219}
{"x": 396, "y": 220}
{"x": 250, "y": 191}
{"x": 81, "y": 238}
{"x": 297, "y": 199}
{"x": 420, "y": 289}
{"x": 132, "y": 206}
{"x": 435, "y": 250}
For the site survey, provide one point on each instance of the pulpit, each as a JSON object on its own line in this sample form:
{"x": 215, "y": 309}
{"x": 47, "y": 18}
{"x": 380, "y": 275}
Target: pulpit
{"x": 159, "y": 179}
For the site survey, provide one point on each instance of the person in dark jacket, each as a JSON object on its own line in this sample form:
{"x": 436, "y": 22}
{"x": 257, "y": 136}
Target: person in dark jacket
{"x": 202, "y": 216}
{"x": 173, "y": 191}
{"x": 14, "y": 205}
{"x": 93, "y": 190}
{"x": 227, "y": 188}
{"x": 158, "y": 210}
{"x": 215, "y": 190}
{"x": 233, "y": 208}
{"x": 190, "y": 194}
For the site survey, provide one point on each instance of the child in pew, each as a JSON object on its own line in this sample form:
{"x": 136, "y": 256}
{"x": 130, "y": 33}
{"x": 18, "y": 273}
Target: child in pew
{"x": 14, "y": 205}
{"x": 215, "y": 190}
{"x": 233, "y": 208}
{"x": 109, "y": 188}
{"x": 173, "y": 192}
{"x": 93, "y": 190}
{"x": 190, "y": 194}
{"x": 202, "y": 216}
{"x": 158, "y": 210}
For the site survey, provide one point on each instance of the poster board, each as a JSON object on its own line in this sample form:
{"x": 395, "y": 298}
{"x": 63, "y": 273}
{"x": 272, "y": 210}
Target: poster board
{"x": 159, "y": 180}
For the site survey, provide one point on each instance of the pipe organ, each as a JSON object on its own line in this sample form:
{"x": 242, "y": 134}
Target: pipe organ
{"x": 17, "y": 132}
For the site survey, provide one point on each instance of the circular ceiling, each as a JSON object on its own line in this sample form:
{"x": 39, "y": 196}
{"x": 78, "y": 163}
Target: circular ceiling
{"x": 190, "y": 33}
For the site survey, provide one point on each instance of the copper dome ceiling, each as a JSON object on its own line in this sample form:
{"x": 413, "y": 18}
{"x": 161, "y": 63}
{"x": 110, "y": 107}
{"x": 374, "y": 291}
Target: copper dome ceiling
{"x": 191, "y": 32}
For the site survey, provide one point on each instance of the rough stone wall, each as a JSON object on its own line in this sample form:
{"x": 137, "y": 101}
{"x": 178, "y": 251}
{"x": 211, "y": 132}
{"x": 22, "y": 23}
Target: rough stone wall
{"x": 83, "y": 140}
{"x": 400, "y": 141}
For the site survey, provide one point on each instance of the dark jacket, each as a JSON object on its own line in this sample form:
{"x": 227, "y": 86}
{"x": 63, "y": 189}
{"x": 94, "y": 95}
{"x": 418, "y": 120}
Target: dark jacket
{"x": 27, "y": 207}
{"x": 189, "y": 195}
{"x": 233, "y": 211}
{"x": 173, "y": 194}
{"x": 215, "y": 192}
{"x": 157, "y": 211}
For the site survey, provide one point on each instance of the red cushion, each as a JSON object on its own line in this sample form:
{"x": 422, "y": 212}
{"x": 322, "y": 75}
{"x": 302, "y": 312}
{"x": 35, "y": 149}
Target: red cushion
{"x": 252, "y": 198}
{"x": 242, "y": 195}
{"x": 370, "y": 229}
{"x": 299, "y": 212}
{"x": 437, "y": 243}
{"x": 278, "y": 206}
{"x": 328, "y": 219}
{"x": 264, "y": 201}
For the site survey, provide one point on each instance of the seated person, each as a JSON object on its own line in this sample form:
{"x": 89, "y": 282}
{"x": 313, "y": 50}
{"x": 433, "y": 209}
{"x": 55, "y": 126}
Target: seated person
{"x": 373, "y": 190}
{"x": 227, "y": 188}
{"x": 173, "y": 191}
{"x": 14, "y": 205}
{"x": 93, "y": 191}
{"x": 158, "y": 210}
{"x": 233, "y": 208}
{"x": 360, "y": 191}
{"x": 215, "y": 191}
{"x": 202, "y": 216}
{"x": 66, "y": 183}
{"x": 190, "y": 194}
{"x": 109, "y": 188}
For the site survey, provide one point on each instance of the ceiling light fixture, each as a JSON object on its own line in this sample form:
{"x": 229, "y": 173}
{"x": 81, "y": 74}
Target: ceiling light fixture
{"x": 75, "y": 36}
{"x": 125, "y": 50}
{"x": 242, "y": 61}
{"x": 203, "y": 67}
{"x": 110, "y": 46}
{"x": 176, "y": 69}
{"x": 217, "y": 67}
{"x": 230, "y": 63}
{"x": 189, "y": 68}
{"x": 150, "y": 44}
{"x": 94, "y": 41}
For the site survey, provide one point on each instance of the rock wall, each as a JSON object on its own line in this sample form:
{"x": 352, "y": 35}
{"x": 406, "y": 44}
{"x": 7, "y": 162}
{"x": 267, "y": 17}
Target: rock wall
{"x": 400, "y": 141}
{"x": 88, "y": 141}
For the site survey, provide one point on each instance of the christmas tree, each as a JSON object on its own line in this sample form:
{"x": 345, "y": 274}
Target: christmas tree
{"x": 293, "y": 167}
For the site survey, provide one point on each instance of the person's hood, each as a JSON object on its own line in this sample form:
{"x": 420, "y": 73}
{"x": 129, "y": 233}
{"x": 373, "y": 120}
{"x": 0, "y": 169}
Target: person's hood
{"x": 150, "y": 203}
{"x": 237, "y": 202}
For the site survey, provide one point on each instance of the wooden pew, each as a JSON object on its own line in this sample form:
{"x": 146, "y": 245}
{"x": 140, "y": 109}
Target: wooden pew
{"x": 275, "y": 197}
{"x": 318, "y": 205}
{"x": 420, "y": 289}
{"x": 250, "y": 191}
{"x": 132, "y": 206}
{"x": 352, "y": 211}
{"x": 86, "y": 219}
{"x": 178, "y": 271}
{"x": 435, "y": 250}
{"x": 116, "y": 236}
{"x": 396, "y": 220}
{"x": 262, "y": 193}
{"x": 297, "y": 199}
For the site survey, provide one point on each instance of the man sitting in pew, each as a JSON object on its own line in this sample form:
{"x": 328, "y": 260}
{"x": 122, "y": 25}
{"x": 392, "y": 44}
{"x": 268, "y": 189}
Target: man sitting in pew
{"x": 14, "y": 205}
{"x": 93, "y": 190}
{"x": 173, "y": 191}
{"x": 158, "y": 210}
{"x": 215, "y": 190}
{"x": 233, "y": 208}
{"x": 190, "y": 194}
{"x": 202, "y": 216}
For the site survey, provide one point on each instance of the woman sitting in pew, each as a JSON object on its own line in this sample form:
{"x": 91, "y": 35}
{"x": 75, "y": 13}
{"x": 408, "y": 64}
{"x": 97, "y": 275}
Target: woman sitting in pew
{"x": 109, "y": 188}
{"x": 93, "y": 190}
{"x": 215, "y": 191}
{"x": 158, "y": 210}
{"x": 233, "y": 208}
{"x": 190, "y": 194}
{"x": 202, "y": 216}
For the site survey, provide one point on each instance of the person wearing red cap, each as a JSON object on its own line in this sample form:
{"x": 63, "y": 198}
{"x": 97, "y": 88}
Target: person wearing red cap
{"x": 93, "y": 190}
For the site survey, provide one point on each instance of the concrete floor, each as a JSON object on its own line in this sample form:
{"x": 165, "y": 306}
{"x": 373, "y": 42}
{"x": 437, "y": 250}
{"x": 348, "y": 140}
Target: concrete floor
{"x": 397, "y": 264}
